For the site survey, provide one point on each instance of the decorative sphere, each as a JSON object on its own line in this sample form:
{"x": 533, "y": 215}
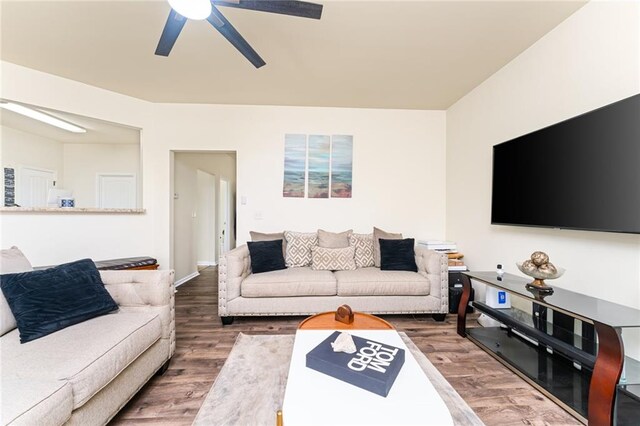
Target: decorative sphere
{"x": 548, "y": 268}
{"x": 529, "y": 267}
{"x": 539, "y": 258}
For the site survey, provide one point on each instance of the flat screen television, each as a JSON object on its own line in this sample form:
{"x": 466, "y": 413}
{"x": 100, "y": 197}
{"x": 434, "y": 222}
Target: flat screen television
{"x": 582, "y": 173}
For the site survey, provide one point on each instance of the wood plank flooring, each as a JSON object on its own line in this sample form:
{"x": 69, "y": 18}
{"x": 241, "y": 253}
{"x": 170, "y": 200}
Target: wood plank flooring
{"x": 496, "y": 394}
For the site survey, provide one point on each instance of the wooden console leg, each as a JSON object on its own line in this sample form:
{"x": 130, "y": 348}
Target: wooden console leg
{"x": 462, "y": 307}
{"x": 606, "y": 374}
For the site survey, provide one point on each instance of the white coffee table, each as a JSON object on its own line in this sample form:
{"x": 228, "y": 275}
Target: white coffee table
{"x": 314, "y": 398}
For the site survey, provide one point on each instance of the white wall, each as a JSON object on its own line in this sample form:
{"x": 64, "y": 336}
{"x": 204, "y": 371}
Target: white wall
{"x": 398, "y": 167}
{"x": 590, "y": 60}
{"x": 54, "y": 238}
{"x": 185, "y": 207}
{"x": 398, "y": 176}
{"x": 83, "y": 162}
{"x": 19, "y": 149}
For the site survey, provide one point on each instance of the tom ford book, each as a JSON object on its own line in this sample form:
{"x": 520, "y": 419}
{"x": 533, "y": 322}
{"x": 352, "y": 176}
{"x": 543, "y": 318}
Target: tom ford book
{"x": 374, "y": 366}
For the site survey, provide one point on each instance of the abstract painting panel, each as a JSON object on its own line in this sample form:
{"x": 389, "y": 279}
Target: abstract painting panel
{"x": 341, "y": 166}
{"x": 319, "y": 163}
{"x": 295, "y": 156}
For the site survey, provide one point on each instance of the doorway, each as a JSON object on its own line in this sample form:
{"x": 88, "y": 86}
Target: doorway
{"x": 202, "y": 210}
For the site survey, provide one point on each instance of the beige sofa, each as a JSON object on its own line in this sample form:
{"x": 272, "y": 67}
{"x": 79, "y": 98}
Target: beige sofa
{"x": 84, "y": 374}
{"x": 303, "y": 291}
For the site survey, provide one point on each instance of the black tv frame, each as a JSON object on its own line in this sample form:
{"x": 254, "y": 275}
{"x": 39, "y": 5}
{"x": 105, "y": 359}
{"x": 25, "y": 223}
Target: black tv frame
{"x": 527, "y": 225}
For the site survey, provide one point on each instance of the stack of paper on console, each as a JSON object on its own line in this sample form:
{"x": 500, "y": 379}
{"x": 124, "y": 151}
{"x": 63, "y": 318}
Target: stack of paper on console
{"x": 438, "y": 245}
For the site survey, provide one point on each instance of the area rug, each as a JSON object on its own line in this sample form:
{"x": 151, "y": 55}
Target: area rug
{"x": 250, "y": 387}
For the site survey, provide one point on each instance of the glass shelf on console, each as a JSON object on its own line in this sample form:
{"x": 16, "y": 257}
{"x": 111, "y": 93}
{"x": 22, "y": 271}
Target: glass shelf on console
{"x": 577, "y": 305}
{"x": 557, "y": 359}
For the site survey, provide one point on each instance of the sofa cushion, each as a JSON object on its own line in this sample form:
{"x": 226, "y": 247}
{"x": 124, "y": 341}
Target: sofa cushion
{"x": 49, "y": 300}
{"x": 377, "y": 234}
{"x": 35, "y": 402}
{"x": 398, "y": 255}
{"x": 363, "y": 245}
{"x": 374, "y": 282}
{"x": 266, "y": 256}
{"x": 332, "y": 259}
{"x": 11, "y": 261}
{"x": 261, "y": 236}
{"x": 87, "y": 355}
{"x": 334, "y": 239}
{"x": 289, "y": 282}
{"x": 299, "y": 248}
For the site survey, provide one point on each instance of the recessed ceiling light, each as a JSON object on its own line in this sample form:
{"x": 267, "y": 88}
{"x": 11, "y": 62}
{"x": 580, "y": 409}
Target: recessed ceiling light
{"x": 41, "y": 116}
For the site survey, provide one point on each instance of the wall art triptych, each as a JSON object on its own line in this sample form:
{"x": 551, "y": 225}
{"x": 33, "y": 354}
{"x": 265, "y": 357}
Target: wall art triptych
{"x": 318, "y": 166}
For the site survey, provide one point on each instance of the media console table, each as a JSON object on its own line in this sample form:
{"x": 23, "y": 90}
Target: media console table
{"x": 581, "y": 373}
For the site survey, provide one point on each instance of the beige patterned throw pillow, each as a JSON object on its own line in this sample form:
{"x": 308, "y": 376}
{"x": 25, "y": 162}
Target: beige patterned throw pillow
{"x": 363, "y": 246}
{"x": 299, "y": 246}
{"x": 333, "y": 259}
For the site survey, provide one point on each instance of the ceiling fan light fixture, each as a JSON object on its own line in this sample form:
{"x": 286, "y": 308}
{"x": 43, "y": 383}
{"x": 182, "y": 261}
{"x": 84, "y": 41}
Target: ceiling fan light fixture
{"x": 192, "y": 9}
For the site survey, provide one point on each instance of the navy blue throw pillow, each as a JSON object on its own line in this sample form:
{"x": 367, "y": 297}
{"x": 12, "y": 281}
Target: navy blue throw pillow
{"x": 398, "y": 255}
{"x": 266, "y": 256}
{"x": 51, "y": 299}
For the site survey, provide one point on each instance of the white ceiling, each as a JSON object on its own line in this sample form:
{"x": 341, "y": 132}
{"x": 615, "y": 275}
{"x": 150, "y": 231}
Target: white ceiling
{"x": 379, "y": 54}
{"x": 98, "y": 131}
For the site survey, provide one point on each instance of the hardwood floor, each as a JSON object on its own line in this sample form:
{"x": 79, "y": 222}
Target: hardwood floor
{"x": 496, "y": 394}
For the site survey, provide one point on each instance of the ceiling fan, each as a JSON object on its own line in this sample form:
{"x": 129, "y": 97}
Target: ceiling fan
{"x": 181, "y": 10}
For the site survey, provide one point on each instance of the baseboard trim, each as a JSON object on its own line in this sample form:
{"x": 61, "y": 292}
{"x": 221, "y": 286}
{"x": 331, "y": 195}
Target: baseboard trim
{"x": 205, "y": 263}
{"x": 185, "y": 279}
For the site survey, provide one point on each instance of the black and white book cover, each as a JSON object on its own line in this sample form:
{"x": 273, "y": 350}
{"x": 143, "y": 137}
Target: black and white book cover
{"x": 374, "y": 366}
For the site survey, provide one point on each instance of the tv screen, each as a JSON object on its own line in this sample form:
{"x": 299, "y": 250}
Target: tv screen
{"x": 582, "y": 173}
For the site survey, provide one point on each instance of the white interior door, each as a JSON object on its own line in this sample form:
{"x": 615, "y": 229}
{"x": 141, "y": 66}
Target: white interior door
{"x": 34, "y": 187}
{"x": 116, "y": 191}
{"x": 206, "y": 219}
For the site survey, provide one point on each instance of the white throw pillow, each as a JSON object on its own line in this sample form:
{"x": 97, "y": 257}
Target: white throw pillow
{"x": 363, "y": 246}
{"x": 11, "y": 261}
{"x": 333, "y": 259}
{"x": 299, "y": 246}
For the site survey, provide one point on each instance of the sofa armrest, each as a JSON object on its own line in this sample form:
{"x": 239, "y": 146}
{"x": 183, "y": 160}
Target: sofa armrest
{"x": 434, "y": 266}
{"x": 145, "y": 291}
{"x": 235, "y": 266}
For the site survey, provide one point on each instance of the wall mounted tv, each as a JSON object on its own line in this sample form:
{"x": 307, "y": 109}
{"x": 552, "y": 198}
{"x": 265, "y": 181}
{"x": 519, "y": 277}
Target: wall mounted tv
{"x": 582, "y": 173}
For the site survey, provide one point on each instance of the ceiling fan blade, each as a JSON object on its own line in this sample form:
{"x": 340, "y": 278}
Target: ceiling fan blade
{"x": 225, "y": 28}
{"x": 302, "y": 9}
{"x": 170, "y": 33}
